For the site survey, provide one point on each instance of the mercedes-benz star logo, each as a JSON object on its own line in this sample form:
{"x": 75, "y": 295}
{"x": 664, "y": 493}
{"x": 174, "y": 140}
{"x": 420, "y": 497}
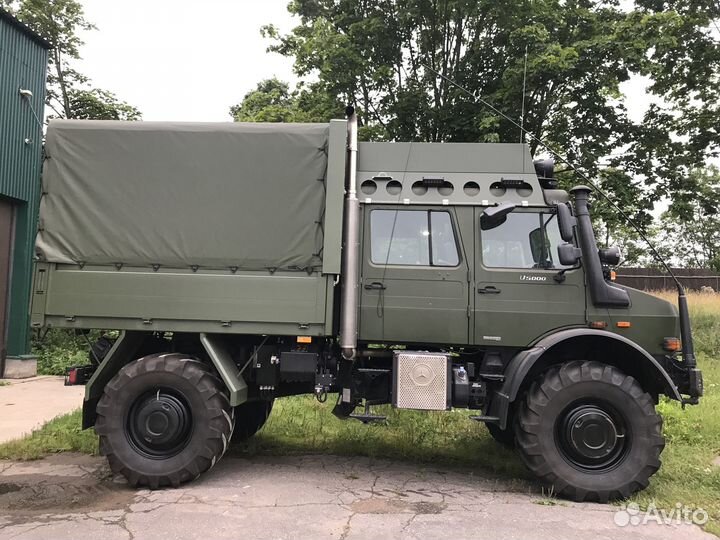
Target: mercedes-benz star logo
{"x": 422, "y": 374}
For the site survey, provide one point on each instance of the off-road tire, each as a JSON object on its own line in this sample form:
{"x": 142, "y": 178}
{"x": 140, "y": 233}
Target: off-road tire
{"x": 505, "y": 437}
{"x": 549, "y": 411}
{"x": 250, "y": 417}
{"x": 208, "y": 420}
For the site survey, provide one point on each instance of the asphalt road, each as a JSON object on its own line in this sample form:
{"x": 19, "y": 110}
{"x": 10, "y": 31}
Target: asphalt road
{"x": 71, "y": 496}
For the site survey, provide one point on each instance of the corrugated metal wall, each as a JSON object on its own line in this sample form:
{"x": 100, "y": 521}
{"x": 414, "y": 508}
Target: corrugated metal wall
{"x": 23, "y": 64}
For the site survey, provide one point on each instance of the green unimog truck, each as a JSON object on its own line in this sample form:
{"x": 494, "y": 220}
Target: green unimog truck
{"x": 246, "y": 262}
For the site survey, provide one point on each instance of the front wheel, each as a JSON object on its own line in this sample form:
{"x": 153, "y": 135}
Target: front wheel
{"x": 590, "y": 432}
{"x": 163, "y": 420}
{"x": 506, "y": 437}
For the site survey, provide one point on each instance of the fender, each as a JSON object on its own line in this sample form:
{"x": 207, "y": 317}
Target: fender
{"x": 127, "y": 348}
{"x": 226, "y": 368}
{"x": 524, "y": 361}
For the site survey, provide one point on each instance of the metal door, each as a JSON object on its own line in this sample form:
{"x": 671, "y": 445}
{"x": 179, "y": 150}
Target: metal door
{"x": 521, "y": 290}
{"x": 415, "y": 276}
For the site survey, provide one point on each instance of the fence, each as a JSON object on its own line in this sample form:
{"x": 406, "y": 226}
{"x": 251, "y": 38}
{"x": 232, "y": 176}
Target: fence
{"x": 656, "y": 279}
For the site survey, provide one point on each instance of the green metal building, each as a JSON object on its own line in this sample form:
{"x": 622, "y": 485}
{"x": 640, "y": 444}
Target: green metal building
{"x": 23, "y": 65}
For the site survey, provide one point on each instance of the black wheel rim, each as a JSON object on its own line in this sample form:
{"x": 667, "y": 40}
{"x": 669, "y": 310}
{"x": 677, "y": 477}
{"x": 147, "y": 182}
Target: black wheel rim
{"x": 592, "y": 436}
{"x": 159, "y": 423}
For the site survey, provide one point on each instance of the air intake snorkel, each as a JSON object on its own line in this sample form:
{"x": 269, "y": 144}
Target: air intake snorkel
{"x": 601, "y": 292}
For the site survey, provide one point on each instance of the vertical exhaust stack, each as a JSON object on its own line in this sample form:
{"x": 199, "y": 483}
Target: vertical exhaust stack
{"x": 351, "y": 247}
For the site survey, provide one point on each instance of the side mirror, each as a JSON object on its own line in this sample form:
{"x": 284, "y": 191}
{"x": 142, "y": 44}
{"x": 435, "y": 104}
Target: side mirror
{"x": 610, "y": 256}
{"x": 568, "y": 255}
{"x": 495, "y": 215}
{"x": 566, "y": 222}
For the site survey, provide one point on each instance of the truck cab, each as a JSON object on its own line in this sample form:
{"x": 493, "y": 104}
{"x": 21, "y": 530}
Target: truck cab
{"x": 431, "y": 268}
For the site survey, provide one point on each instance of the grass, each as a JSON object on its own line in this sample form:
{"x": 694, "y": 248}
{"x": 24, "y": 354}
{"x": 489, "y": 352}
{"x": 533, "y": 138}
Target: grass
{"x": 301, "y": 425}
{"x": 62, "y": 434}
{"x": 4, "y": 383}
{"x": 687, "y": 474}
{"x": 549, "y": 498}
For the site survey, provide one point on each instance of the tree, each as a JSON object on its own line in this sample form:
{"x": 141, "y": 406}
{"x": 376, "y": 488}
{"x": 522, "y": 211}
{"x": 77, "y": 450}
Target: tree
{"x": 97, "y": 104}
{"x": 273, "y": 101}
{"x": 672, "y": 43}
{"x": 555, "y": 66}
{"x": 691, "y": 226}
{"x": 69, "y": 93}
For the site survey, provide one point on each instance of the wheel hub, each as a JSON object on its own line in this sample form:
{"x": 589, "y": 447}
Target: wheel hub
{"x": 159, "y": 424}
{"x": 591, "y": 438}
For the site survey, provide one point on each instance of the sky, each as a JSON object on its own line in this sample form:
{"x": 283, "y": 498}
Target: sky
{"x": 175, "y": 61}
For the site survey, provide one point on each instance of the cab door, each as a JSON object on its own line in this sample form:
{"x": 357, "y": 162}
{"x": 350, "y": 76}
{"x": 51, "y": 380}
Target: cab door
{"x": 521, "y": 291}
{"x": 415, "y": 276}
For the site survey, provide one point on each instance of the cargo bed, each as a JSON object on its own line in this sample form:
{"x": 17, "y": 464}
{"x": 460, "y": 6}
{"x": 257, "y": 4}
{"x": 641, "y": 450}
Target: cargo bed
{"x": 221, "y": 228}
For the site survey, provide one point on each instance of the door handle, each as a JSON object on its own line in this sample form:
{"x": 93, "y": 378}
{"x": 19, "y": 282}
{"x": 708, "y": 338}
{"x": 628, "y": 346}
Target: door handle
{"x": 489, "y": 290}
{"x": 375, "y": 286}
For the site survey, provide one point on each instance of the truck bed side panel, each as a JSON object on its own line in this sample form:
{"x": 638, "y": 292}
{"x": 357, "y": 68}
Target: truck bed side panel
{"x": 132, "y": 298}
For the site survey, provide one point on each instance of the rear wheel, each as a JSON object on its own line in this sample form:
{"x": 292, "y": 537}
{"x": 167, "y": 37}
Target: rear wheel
{"x": 250, "y": 417}
{"x": 590, "y": 432}
{"x": 164, "y": 420}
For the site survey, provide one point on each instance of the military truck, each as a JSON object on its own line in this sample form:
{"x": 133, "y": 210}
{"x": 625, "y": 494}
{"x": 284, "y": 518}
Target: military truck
{"x": 243, "y": 263}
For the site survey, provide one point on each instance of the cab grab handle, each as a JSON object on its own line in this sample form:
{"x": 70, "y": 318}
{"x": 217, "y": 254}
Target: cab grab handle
{"x": 489, "y": 290}
{"x": 375, "y": 286}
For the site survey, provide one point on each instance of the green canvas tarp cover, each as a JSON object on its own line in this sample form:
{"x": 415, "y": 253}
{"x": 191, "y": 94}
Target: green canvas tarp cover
{"x": 183, "y": 194}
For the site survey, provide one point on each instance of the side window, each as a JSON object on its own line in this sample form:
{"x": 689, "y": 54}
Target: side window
{"x": 525, "y": 240}
{"x": 412, "y": 237}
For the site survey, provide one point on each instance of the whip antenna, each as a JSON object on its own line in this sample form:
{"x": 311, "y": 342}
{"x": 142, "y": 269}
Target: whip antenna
{"x": 522, "y": 109}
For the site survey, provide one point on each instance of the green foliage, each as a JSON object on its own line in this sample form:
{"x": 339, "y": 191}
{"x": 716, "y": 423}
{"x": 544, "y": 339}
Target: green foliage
{"x": 69, "y": 93}
{"x": 691, "y": 226}
{"x": 672, "y": 43}
{"x": 97, "y": 104}
{"x": 273, "y": 101}
{"x": 371, "y": 54}
{"x": 59, "y": 349}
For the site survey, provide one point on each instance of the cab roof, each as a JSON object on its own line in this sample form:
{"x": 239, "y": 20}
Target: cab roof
{"x": 478, "y": 174}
